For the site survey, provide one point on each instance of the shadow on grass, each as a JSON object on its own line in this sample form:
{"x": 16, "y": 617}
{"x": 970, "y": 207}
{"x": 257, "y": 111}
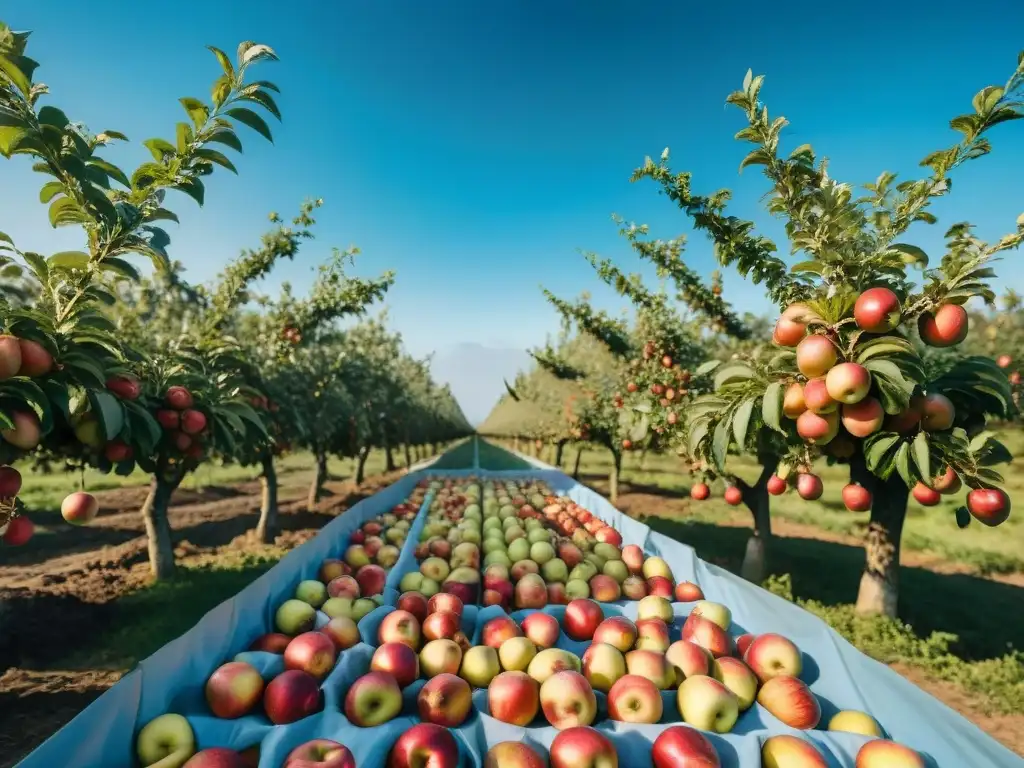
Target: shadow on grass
{"x": 979, "y": 611}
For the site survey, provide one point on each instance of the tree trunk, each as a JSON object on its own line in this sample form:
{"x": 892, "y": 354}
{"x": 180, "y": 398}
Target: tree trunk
{"x": 319, "y": 478}
{"x": 559, "y": 449}
{"x": 613, "y": 476}
{"x": 364, "y": 454}
{"x": 515, "y": 444}
{"x": 576, "y": 466}
{"x": 879, "y": 584}
{"x": 266, "y": 528}
{"x": 643, "y": 459}
{"x": 158, "y": 527}
{"x": 433, "y": 449}
{"x": 757, "y": 500}
{"x": 408, "y": 455}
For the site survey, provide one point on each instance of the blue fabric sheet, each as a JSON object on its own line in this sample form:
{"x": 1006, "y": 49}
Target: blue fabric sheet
{"x": 172, "y": 679}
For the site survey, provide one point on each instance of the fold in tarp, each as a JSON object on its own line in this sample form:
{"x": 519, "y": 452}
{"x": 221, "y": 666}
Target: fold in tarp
{"x": 172, "y": 679}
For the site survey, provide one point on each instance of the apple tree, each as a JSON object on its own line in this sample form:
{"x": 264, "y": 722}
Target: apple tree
{"x": 844, "y": 378}
{"x": 70, "y": 387}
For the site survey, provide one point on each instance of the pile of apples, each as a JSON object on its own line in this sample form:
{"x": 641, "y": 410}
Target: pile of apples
{"x": 449, "y": 547}
{"x": 311, "y": 630}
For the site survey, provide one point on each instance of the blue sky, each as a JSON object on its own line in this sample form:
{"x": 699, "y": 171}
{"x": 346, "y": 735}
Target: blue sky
{"x": 475, "y": 146}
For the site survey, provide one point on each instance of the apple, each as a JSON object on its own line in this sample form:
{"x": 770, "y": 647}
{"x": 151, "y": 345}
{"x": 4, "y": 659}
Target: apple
{"x": 863, "y": 418}
{"x": 513, "y": 754}
{"x": 445, "y": 700}
{"x": 480, "y": 665}
{"x": 815, "y": 355}
{"x": 659, "y": 586}
{"x": 948, "y": 482}
{"x": 603, "y": 665}
{"x": 372, "y": 579}
{"x": 634, "y": 588}
{"x": 655, "y": 566}
{"x": 634, "y": 699}
{"x": 514, "y": 697}
{"x": 356, "y": 556}
{"x": 652, "y": 635}
{"x": 373, "y": 699}
{"x": 167, "y": 739}
{"x": 654, "y": 607}
{"x": 567, "y": 700}
{"x": 576, "y": 589}
{"x": 817, "y": 429}
{"x": 320, "y": 753}
{"x": 411, "y": 582}
{"x": 990, "y": 506}
{"x": 605, "y": 588}
{"x": 633, "y": 557}
{"x": 877, "y": 310}
{"x": 435, "y": 568}
{"x": 400, "y": 627}
{"x": 925, "y": 496}
{"x": 444, "y": 601}
{"x": 776, "y": 486}
{"x": 440, "y": 625}
{"x": 945, "y": 327}
{"x": 498, "y": 630}
{"x": 617, "y": 631}
{"x": 331, "y": 569}
{"x": 688, "y": 592}
{"x": 291, "y": 696}
{"x": 856, "y": 498}
{"x": 342, "y": 631}
{"x": 742, "y": 643}
{"x": 425, "y": 745}
{"x": 516, "y": 653}
{"x": 688, "y": 659}
{"x": 791, "y": 701}
{"x": 882, "y": 753}
{"x": 311, "y": 652}
{"x": 293, "y": 617}
{"x": 311, "y": 591}
{"x": 272, "y": 642}
{"x": 713, "y": 612}
{"x": 771, "y": 655}
{"x": 683, "y": 747}
{"x": 336, "y": 607}
{"x": 521, "y": 568}
{"x": 793, "y": 403}
{"x": 707, "y": 704}
{"x": 738, "y": 678}
{"x": 440, "y": 657}
{"x": 817, "y": 397}
{"x": 938, "y": 413}
{"x": 215, "y": 757}
{"x": 791, "y": 752}
{"x": 78, "y": 508}
{"x": 809, "y": 486}
{"x": 398, "y": 660}
{"x": 415, "y": 603}
{"x": 848, "y": 383}
{"x": 343, "y": 586}
{"x": 552, "y": 660}
{"x": 582, "y": 618}
{"x": 542, "y": 629}
{"x": 583, "y": 747}
{"x": 531, "y": 592}
{"x": 700, "y": 492}
{"x": 852, "y": 721}
{"x": 652, "y": 665}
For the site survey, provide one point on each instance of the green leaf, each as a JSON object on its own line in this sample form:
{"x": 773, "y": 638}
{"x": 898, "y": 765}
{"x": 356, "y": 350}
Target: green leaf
{"x": 903, "y": 464}
{"x": 121, "y": 267}
{"x": 809, "y": 267}
{"x": 227, "y": 137}
{"x": 266, "y": 101}
{"x": 193, "y": 188}
{"x": 708, "y": 367}
{"x": 69, "y": 260}
{"x": 198, "y": 112}
{"x": 732, "y": 372}
{"x": 184, "y": 137}
{"x": 64, "y": 210}
{"x": 50, "y": 190}
{"x": 879, "y": 452}
{"x": 111, "y": 170}
{"x": 216, "y": 157}
{"x": 911, "y": 254}
{"x": 225, "y": 62}
{"x": 251, "y": 119}
{"x": 963, "y": 517}
{"x": 771, "y": 406}
{"x": 720, "y": 443}
{"x": 741, "y": 421}
{"x": 108, "y": 412}
{"x": 10, "y": 67}
{"x": 639, "y": 430}
{"x": 697, "y": 433}
{"x": 159, "y": 147}
{"x": 922, "y": 456}
{"x": 894, "y": 390}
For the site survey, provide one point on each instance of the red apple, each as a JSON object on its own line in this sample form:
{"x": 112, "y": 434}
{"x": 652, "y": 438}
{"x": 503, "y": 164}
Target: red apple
{"x": 733, "y": 496}
{"x": 882, "y": 753}
{"x": 583, "y": 747}
{"x": 344, "y": 586}
{"x": 513, "y": 754}
{"x": 815, "y": 355}
{"x": 659, "y": 586}
{"x": 688, "y": 592}
{"x": 817, "y": 429}
{"x": 945, "y": 327}
{"x": 234, "y": 690}
{"x": 215, "y": 757}
{"x": 542, "y": 629}
{"x": 925, "y": 496}
{"x": 513, "y": 697}
{"x": 311, "y": 652}
{"x": 445, "y": 601}
{"x": 707, "y": 635}
{"x": 743, "y": 643}
{"x": 877, "y": 310}
{"x": 809, "y": 486}
{"x": 342, "y": 631}
{"x": 291, "y": 696}
{"x": 786, "y": 751}
{"x": 498, "y": 630}
{"x": 634, "y": 699}
{"x": 616, "y": 631}
{"x": 425, "y": 745}
{"x": 633, "y": 557}
{"x": 531, "y": 592}
{"x": 817, "y": 397}
{"x": 791, "y": 701}
{"x": 414, "y": 603}
{"x": 864, "y": 417}
{"x": 700, "y": 492}
{"x": 937, "y": 413}
{"x": 771, "y": 655}
{"x": 582, "y": 618}
{"x": 398, "y": 660}
{"x": 857, "y": 498}
{"x": 567, "y": 700}
{"x": 441, "y": 625}
{"x": 371, "y": 580}
{"x": 776, "y": 486}
{"x": 400, "y": 627}
{"x": 272, "y": 642}
{"x": 990, "y": 506}
{"x": 793, "y": 402}
{"x": 688, "y": 659}
{"x": 373, "y": 699}
{"x": 445, "y": 700}
{"x": 605, "y": 588}
{"x": 848, "y": 383}
{"x": 683, "y": 747}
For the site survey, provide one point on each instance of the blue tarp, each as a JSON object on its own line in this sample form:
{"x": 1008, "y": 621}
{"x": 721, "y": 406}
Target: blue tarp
{"x": 172, "y": 679}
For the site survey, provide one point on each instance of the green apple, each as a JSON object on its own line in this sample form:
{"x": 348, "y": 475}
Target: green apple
{"x": 339, "y": 607}
{"x": 576, "y": 589}
{"x": 519, "y": 550}
{"x": 497, "y": 558}
{"x": 555, "y": 571}
{"x": 607, "y": 551}
{"x": 411, "y": 582}
{"x": 480, "y": 665}
{"x": 596, "y": 560}
{"x": 542, "y": 552}
{"x": 585, "y": 571}
{"x": 311, "y": 591}
{"x": 361, "y": 607}
{"x": 616, "y": 569}
{"x": 429, "y": 587}
{"x": 167, "y": 741}
{"x": 294, "y": 617}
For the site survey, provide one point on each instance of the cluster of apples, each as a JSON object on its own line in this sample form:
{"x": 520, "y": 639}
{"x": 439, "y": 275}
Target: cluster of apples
{"x": 663, "y": 382}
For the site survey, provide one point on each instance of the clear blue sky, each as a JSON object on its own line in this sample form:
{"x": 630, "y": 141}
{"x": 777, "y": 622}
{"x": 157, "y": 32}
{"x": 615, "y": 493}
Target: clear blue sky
{"x": 475, "y": 146}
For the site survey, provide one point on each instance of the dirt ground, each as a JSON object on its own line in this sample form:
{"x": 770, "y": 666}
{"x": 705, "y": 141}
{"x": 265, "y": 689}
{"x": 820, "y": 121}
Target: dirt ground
{"x": 68, "y": 585}
{"x": 72, "y": 581}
